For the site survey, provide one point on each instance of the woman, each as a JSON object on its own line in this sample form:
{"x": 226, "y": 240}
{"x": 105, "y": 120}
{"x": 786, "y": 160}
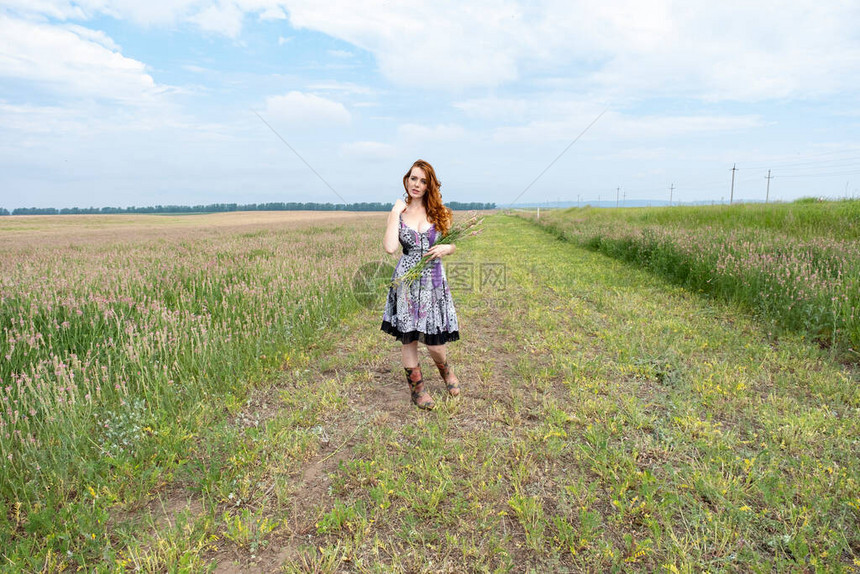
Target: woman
{"x": 422, "y": 310}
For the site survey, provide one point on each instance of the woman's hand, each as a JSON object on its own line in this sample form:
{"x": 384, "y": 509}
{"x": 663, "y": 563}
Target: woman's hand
{"x": 399, "y": 206}
{"x": 440, "y": 251}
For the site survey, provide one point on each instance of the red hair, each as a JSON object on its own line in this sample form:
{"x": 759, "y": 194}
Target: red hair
{"x": 437, "y": 213}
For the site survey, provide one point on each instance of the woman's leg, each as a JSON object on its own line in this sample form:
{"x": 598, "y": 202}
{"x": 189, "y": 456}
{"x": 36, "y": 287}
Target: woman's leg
{"x": 437, "y": 352}
{"x": 420, "y": 397}
{"x": 410, "y": 354}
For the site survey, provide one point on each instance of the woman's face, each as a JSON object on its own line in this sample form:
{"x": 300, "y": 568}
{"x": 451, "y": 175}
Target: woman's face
{"x": 416, "y": 184}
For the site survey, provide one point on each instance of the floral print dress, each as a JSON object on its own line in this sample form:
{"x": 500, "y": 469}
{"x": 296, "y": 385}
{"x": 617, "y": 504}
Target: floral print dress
{"x": 423, "y": 310}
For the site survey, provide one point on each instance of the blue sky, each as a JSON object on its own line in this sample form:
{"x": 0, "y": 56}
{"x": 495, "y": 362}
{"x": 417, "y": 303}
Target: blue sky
{"x": 118, "y": 103}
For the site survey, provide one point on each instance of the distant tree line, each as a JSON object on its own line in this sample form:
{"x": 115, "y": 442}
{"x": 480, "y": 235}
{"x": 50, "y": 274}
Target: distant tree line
{"x": 469, "y": 206}
{"x": 225, "y": 207}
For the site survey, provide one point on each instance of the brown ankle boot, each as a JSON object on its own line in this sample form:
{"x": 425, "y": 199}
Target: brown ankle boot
{"x": 450, "y": 379}
{"x": 420, "y": 397}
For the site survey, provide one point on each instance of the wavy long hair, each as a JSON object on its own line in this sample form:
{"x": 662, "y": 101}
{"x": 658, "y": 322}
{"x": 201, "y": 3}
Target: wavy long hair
{"x": 437, "y": 213}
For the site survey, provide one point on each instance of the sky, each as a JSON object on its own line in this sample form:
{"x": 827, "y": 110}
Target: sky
{"x": 184, "y": 102}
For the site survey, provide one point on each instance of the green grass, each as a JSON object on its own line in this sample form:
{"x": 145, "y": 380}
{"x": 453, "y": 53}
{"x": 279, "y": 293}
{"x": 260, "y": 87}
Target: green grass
{"x": 803, "y": 219}
{"x": 796, "y": 266}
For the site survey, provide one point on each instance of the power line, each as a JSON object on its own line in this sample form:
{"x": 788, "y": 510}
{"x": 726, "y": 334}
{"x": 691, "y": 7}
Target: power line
{"x": 576, "y": 139}
{"x": 292, "y": 149}
{"x": 833, "y": 174}
{"x": 803, "y": 160}
{"x": 812, "y": 169}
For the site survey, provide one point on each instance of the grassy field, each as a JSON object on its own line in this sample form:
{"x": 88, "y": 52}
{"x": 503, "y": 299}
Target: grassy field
{"x": 802, "y": 219}
{"x": 610, "y": 420}
{"x": 122, "y": 335}
{"x": 796, "y": 265}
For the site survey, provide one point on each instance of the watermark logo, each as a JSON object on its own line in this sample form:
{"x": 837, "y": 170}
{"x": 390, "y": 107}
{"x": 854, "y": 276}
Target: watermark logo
{"x": 466, "y": 276}
{"x": 461, "y": 276}
{"x": 370, "y": 284}
{"x": 493, "y": 276}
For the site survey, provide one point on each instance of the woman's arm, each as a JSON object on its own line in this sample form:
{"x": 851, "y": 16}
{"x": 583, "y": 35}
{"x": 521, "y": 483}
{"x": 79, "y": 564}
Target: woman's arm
{"x": 391, "y": 240}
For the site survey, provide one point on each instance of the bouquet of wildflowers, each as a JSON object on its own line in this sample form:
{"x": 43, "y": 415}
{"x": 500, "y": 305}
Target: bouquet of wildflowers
{"x": 457, "y": 233}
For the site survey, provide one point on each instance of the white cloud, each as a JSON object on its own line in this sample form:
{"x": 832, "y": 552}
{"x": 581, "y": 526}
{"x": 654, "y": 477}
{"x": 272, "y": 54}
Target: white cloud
{"x": 72, "y": 61}
{"x": 730, "y": 50}
{"x": 149, "y": 12}
{"x": 223, "y": 19}
{"x": 447, "y": 45}
{"x": 58, "y": 9}
{"x": 733, "y": 50}
{"x": 94, "y": 36}
{"x": 300, "y": 108}
{"x": 273, "y": 13}
{"x": 343, "y": 54}
{"x": 727, "y": 50}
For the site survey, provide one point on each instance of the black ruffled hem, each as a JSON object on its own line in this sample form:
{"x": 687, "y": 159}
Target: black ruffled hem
{"x": 412, "y": 336}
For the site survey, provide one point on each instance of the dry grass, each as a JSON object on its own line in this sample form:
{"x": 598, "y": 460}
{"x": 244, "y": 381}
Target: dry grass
{"x": 19, "y": 231}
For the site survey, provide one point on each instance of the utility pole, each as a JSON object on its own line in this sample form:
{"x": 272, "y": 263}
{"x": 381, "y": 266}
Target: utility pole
{"x": 671, "y": 192}
{"x": 732, "y": 196}
{"x": 617, "y": 194}
{"x": 767, "y": 193}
